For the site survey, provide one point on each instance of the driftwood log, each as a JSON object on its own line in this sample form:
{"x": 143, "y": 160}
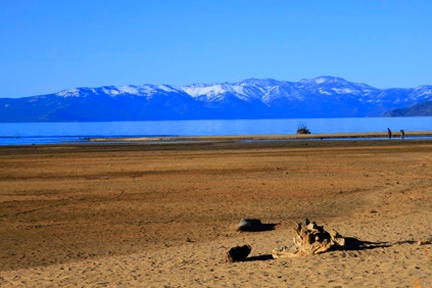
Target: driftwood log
{"x": 310, "y": 239}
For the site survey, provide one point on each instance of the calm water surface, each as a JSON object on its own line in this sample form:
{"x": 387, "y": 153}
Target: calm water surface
{"x": 55, "y": 133}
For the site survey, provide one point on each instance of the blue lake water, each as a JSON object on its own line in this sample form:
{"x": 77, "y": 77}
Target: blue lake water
{"x": 57, "y": 133}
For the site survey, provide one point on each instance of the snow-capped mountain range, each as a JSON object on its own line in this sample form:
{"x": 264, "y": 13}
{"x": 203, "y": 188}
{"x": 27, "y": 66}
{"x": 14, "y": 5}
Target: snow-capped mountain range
{"x": 323, "y": 96}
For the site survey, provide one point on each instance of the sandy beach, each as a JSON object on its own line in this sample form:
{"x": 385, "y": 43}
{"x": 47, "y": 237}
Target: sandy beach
{"x": 165, "y": 214}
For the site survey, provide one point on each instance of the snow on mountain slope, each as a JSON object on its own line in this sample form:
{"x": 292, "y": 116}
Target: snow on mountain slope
{"x": 214, "y": 91}
{"x": 69, "y": 93}
{"x": 323, "y": 96}
{"x": 265, "y": 90}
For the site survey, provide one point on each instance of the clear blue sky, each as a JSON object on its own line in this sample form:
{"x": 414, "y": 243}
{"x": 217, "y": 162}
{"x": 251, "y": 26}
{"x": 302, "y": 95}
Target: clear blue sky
{"x": 50, "y": 45}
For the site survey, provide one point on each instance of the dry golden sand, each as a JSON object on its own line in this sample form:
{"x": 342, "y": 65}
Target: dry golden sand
{"x": 164, "y": 215}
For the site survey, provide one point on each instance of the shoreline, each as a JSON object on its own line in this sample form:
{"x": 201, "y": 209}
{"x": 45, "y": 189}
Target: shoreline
{"x": 268, "y": 137}
{"x": 223, "y": 142}
{"x": 179, "y": 139}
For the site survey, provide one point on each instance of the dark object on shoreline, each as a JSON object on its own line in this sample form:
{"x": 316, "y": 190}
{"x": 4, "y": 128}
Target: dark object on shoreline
{"x": 302, "y": 129}
{"x": 238, "y": 253}
{"x": 254, "y": 225}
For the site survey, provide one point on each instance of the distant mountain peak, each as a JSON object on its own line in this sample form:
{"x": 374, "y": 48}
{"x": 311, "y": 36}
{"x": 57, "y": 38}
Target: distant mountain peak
{"x": 266, "y": 82}
{"x": 335, "y": 81}
{"x": 324, "y": 80}
{"x": 69, "y": 93}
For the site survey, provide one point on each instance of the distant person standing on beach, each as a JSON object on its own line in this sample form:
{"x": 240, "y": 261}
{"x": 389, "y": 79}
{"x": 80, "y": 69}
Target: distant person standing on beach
{"x": 402, "y": 134}
{"x": 389, "y": 133}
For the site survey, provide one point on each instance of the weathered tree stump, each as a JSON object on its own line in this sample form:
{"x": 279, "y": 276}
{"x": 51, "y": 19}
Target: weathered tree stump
{"x": 310, "y": 239}
{"x": 238, "y": 253}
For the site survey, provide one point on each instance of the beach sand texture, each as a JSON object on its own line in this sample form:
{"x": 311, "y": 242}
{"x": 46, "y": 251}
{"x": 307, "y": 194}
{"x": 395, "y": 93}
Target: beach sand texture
{"x": 164, "y": 215}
